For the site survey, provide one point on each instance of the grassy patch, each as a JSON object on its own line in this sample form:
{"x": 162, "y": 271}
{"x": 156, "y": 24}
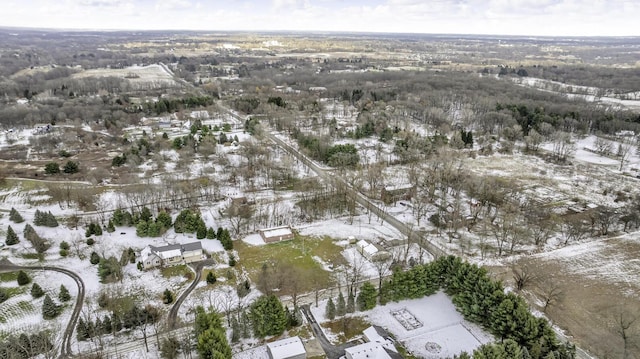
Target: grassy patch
{"x": 177, "y": 271}
{"x": 347, "y": 328}
{"x": 26, "y": 306}
{"x": 17, "y": 290}
{"x": 8, "y": 276}
{"x": 302, "y": 331}
{"x": 38, "y": 256}
{"x": 295, "y": 255}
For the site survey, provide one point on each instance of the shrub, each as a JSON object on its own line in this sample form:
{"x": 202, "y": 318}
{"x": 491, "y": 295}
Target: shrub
{"x": 23, "y": 278}
{"x": 51, "y": 168}
{"x": 71, "y": 167}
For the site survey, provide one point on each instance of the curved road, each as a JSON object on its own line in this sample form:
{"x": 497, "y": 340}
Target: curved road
{"x": 173, "y": 313}
{"x": 65, "y": 348}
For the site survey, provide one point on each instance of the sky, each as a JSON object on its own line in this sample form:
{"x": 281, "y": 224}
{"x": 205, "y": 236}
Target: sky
{"x": 500, "y": 17}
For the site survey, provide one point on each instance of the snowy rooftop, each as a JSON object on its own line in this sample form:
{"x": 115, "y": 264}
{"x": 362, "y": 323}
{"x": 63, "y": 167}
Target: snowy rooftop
{"x": 367, "y": 351}
{"x": 286, "y": 348}
{"x": 276, "y": 232}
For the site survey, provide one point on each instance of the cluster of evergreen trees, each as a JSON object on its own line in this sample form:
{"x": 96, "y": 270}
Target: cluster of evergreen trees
{"x": 93, "y": 229}
{"x": 26, "y": 346}
{"x": 46, "y": 219}
{"x": 341, "y": 307}
{"x": 40, "y": 244}
{"x": 481, "y": 300}
{"x": 132, "y": 318}
{"x": 211, "y": 335}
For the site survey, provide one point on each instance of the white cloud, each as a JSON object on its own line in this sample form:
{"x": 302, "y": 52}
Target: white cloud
{"x": 164, "y": 5}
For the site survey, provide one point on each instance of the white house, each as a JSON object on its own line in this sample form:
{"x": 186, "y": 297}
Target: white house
{"x": 290, "y": 348}
{"x": 172, "y": 254}
{"x": 377, "y": 346}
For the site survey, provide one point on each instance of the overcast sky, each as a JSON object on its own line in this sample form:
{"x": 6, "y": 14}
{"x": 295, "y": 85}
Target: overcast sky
{"x": 508, "y": 17}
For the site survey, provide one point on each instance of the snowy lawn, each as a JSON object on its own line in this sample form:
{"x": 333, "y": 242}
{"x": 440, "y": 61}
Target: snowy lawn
{"x": 440, "y": 330}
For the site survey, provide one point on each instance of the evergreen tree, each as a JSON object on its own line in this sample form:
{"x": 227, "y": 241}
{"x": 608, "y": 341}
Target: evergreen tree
{"x": 116, "y": 323}
{"x": 232, "y": 261}
{"x": 141, "y": 229}
{"x": 36, "y": 291}
{"x": 23, "y": 278}
{"x": 351, "y": 303}
{"x": 145, "y": 214}
{"x": 211, "y": 278}
{"x": 211, "y": 233}
{"x": 367, "y": 297}
{"x": 49, "y": 309}
{"x": 82, "y": 332}
{"x": 107, "y": 327}
{"x": 225, "y": 240}
{"x": 12, "y": 237}
{"x": 164, "y": 219}
{"x": 268, "y": 316}
{"x": 330, "y": 311}
{"x": 201, "y": 231}
{"x": 341, "y": 306}
{"x": 95, "y": 258}
{"x": 110, "y": 227}
{"x": 167, "y": 297}
{"x": 70, "y": 167}
{"x": 64, "y": 295}
{"x": 14, "y": 216}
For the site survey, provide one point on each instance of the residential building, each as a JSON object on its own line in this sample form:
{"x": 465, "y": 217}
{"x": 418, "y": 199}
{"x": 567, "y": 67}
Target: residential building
{"x": 290, "y": 348}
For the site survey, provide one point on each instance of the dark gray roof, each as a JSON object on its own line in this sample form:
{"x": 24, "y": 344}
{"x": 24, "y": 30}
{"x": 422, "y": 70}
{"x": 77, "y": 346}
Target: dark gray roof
{"x": 193, "y": 246}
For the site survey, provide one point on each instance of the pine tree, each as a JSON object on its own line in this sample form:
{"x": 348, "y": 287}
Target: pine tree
{"x": 95, "y": 258}
{"x": 64, "y": 295}
{"x": 201, "y": 231}
{"x": 23, "y": 278}
{"x": 330, "y": 311}
{"x": 351, "y": 303}
{"x": 15, "y": 217}
{"x": 164, "y": 219}
{"x": 211, "y": 278}
{"x": 82, "y": 332}
{"x": 367, "y": 297}
{"x": 268, "y": 316}
{"x": 341, "y": 308}
{"x": 36, "y": 291}
{"x": 49, "y": 309}
{"x": 232, "y": 261}
{"x": 12, "y": 237}
{"x": 167, "y": 297}
{"x": 110, "y": 227}
{"x": 211, "y": 233}
{"x": 107, "y": 327}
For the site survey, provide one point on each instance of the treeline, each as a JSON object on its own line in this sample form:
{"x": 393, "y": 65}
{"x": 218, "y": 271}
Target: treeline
{"x": 114, "y": 323}
{"x": 165, "y": 105}
{"x": 480, "y": 299}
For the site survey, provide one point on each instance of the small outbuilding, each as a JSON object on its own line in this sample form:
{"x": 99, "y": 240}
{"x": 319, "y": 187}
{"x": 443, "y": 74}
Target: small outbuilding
{"x": 290, "y": 348}
{"x": 276, "y": 234}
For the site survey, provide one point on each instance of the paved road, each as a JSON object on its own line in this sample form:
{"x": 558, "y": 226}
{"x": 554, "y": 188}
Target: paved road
{"x": 332, "y": 351}
{"x": 65, "y": 348}
{"x": 173, "y": 313}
